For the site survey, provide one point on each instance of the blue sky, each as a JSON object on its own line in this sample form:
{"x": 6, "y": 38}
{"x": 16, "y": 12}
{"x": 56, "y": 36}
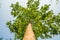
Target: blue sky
{"x": 5, "y": 15}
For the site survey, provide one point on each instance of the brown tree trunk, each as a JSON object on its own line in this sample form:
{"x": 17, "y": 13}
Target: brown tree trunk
{"x": 29, "y": 34}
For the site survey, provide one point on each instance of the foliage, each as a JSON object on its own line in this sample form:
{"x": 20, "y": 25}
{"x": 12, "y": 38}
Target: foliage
{"x": 44, "y": 22}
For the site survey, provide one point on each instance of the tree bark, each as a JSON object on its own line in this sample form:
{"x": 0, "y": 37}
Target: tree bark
{"x": 29, "y": 34}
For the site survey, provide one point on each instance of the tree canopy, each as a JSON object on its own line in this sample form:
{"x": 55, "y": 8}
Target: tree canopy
{"x": 44, "y": 22}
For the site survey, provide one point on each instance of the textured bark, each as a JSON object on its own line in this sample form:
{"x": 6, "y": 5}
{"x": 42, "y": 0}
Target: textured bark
{"x": 29, "y": 34}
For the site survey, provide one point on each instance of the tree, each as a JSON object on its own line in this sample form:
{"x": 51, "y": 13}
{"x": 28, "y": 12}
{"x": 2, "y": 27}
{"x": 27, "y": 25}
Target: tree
{"x": 29, "y": 34}
{"x": 1, "y": 38}
{"x": 44, "y": 22}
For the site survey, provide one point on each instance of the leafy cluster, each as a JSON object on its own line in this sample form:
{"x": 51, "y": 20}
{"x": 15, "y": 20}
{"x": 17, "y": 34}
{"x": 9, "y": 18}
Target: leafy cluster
{"x": 44, "y": 22}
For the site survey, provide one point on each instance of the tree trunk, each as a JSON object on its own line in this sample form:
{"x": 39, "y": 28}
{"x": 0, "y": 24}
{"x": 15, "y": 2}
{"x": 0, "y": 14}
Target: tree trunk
{"x": 29, "y": 34}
